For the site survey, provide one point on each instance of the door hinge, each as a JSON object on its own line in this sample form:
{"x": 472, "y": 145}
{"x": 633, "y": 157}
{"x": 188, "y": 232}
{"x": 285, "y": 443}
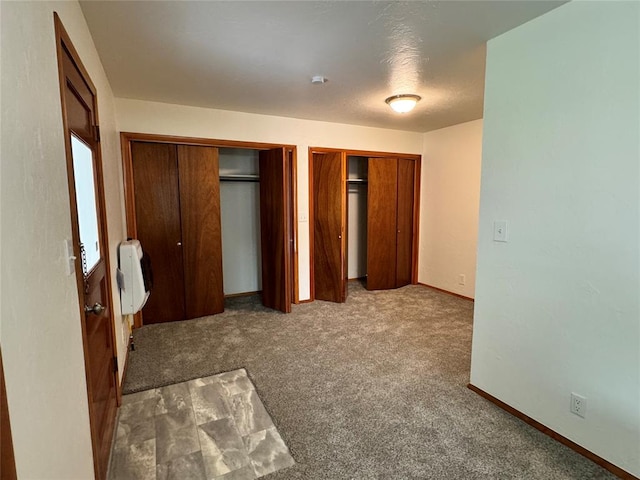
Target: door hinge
{"x": 96, "y": 133}
{"x": 115, "y": 364}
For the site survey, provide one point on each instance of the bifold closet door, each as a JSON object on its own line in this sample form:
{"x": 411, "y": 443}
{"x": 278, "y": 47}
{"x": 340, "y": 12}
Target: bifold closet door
{"x": 404, "y": 222}
{"x": 390, "y": 223}
{"x": 157, "y": 202}
{"x": 275, "y": 212}
{"x": 382, "y": 201}
{"x": 329, "y": 226}
{"x": 198, "y": 173}
{"x": 177, "y": 203}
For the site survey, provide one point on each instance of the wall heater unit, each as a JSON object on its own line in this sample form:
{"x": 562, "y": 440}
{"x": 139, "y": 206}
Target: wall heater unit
{"x": 134, "y": 277}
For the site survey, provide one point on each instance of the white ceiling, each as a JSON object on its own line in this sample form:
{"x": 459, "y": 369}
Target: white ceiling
{"x": 260, "y": 56}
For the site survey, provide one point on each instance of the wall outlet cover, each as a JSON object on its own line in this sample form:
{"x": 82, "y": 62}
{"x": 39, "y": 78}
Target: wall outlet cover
{"x": 578, "y": 405}
{"x": 500, "y": 231}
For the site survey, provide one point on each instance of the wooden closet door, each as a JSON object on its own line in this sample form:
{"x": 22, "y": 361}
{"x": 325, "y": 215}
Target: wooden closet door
{"x": 201, "y": 230}
{"x": 381, "y": 223}
{"x": 329, "y": 226}
{"x": 404, "y": 239}
{"x": 157, "y": 205}
{"x": 274, "y": 229}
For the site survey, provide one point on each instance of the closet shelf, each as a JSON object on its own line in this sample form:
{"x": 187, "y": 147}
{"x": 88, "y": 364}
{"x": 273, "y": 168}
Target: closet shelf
{"x": 239, "y": 178}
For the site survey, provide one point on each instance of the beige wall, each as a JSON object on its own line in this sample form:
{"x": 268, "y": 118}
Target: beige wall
{"x": 449, "y": 207}
{"x": 557, "y": 306}
{"x": 40, "y": 322}
{"x": 161, "y": 118}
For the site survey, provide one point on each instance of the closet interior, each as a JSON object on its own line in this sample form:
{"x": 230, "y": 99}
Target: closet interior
{"x": 240, "y": 214}
{"x": 357, "y": 183}
{"x": 365, "y": 210}
{"x": 214, "y": 221}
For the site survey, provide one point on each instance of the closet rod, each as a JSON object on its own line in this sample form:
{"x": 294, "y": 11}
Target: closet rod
{"x": 239, "y": 178}
{"x": 356, "y": 180}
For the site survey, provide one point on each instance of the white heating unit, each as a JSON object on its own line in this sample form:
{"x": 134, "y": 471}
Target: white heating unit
{"x": 134, "y": 277}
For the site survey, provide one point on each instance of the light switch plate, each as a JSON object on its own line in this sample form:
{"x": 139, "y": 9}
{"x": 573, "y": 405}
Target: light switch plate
{"x": 500, "y": 231}
{"x": 69, "y": 257}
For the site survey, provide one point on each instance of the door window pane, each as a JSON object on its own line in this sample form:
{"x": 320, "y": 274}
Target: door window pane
{"x": 86, "y": 202}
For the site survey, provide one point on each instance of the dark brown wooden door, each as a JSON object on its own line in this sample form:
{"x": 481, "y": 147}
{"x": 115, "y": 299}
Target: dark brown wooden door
{"x": 89, "y": 233}
{"x": 291, "y": 179}
{"x": 381, "y": 223}
{"x": 7, "y": 458}
{"x": 329, "y": 226}
{"x": 404, "y": 224}
{"x": 177, "y": 203}
{"x": 198, "y": 173}
{"x": 157, "y": 202}
{"x": 275, "y": 211}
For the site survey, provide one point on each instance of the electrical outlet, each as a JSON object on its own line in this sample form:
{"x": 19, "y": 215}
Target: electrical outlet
{"x": 578, "y": 405}
{"x": 462, "y": 279}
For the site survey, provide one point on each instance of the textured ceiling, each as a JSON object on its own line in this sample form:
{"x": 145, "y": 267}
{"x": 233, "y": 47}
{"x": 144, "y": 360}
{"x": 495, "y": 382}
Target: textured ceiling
{"x": 260, "y": 56}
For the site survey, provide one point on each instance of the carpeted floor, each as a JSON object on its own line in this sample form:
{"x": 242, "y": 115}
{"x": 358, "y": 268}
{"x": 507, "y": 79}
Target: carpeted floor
{"x": 373, "y": 388}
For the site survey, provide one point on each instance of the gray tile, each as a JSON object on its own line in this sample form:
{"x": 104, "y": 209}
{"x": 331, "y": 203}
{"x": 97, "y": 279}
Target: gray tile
{"x": 140, "y": 409}
{"x": 176, "y": 435}
{"x": 244, "y": 473}
{"x": 249, "y": 413}
{"x": 209, "y": 403}
{"x": 139, "y": 396}
{"x": 173, "y": 397}
{"x": 134, "y": 430}
{"x": 201, "y": 382}
{"x": 187, "y": 467}
{"x": 222, "y": 447}
{"x": 135, "y": 462}
{"x": 235, "y": 382}
{"x": 267, "y": 451}
{"x": 158, "y": 436}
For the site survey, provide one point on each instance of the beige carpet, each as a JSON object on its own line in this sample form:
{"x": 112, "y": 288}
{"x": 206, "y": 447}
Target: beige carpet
{"x": 373, "y": 388}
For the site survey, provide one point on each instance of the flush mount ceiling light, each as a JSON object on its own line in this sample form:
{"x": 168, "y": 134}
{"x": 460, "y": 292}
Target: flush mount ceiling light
{"x": 402, "y": 103}
{"x": 319, "y": 79}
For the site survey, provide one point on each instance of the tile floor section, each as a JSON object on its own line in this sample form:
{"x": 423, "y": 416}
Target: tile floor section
{"x": 210, "y": 428}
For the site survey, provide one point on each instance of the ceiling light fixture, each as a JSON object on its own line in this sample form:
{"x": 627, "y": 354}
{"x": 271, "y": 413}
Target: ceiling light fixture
{"x": 318, "y": 79}
{"x": 403, "y": 103}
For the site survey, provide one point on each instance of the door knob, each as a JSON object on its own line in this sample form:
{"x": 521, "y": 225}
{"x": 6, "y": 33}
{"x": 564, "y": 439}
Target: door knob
{"x": 97, "y": 309}
{"x": 179, "y": 244}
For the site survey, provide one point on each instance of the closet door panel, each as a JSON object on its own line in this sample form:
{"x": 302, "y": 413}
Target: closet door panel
{"x": 201, "y": 230}
{"x": 405, "y": 222}
{"x": 381, "y": 223}
{"x": 274, "y": 228}
{"x": 157, "y": 207}
{"x": 329, "y": 227}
